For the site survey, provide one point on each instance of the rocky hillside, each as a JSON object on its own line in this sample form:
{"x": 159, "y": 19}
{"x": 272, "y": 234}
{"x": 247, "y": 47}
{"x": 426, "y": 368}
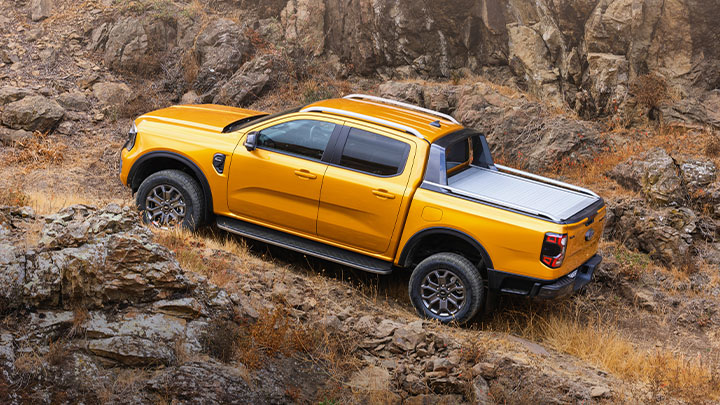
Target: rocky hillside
{"x": 619, "y": 96}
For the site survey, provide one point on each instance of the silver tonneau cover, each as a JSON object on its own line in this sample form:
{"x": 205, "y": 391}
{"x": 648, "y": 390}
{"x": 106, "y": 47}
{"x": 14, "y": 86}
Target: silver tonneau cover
{"x": 522, "y": 191}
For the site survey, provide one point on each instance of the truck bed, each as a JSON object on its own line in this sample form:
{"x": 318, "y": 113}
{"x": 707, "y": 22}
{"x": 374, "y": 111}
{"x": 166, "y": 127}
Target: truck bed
{"x": 524, "y": 194}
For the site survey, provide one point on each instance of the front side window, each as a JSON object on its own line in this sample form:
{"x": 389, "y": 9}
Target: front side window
{"x": 305, "y": 138}
{"x": 375, "y": 154}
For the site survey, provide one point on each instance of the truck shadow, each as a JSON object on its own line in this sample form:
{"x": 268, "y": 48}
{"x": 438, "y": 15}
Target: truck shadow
{"x": 511, "y": 314}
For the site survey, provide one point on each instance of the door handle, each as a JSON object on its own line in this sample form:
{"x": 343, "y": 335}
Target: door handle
{"x": 305, "y": 174}
{"x": 382, "y": 193}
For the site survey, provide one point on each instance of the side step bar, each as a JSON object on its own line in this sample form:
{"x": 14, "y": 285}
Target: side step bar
{"x": 312, "y": 248}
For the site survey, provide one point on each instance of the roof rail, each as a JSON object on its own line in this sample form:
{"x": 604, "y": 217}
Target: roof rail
{"x": 401, "y": 104}
{"x": 364, "y": 118}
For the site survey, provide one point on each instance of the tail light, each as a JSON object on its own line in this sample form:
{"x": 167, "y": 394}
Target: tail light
{"x": 553, "y": 249}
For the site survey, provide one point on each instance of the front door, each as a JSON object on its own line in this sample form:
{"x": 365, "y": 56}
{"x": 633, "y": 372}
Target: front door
{"x": 279, "y": 182}
{"x": 363, "y": 189}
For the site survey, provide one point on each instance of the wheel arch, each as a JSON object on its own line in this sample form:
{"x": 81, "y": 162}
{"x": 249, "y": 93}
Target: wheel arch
{"x": 432, "y": 240}
{"x": 153, "y": 162}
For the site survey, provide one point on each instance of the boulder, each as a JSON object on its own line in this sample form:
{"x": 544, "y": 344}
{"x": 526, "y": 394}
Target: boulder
{"x": 109, "y": 93}
{"x": 401, "y": 91}
{"x": 608, "y": 78}
{"x": 40, "y": 9}
{"x": 248, "y": 83}
{"x": 209, "y": 382}
{"x": 666, "y": 235}
{"x": 407, "y": 337}
{"x": 654, "y": 173}
{"x": 10, "y": 137}
{"x": 8, "y": 94}
{"x": 33, "y": 113}
{"x": 219, "y": 49}
{"x": 132, "y": 351}
{"x": 134, "y": 43}
{"x": 74, "y": 101}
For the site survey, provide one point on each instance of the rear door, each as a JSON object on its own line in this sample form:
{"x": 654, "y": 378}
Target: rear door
{"x": 279, "y": 182}
{"x": 364, "y": 187}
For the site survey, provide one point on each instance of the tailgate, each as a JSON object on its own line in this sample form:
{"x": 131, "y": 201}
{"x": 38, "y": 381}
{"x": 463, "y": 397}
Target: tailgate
{"x": 583, "y": 239}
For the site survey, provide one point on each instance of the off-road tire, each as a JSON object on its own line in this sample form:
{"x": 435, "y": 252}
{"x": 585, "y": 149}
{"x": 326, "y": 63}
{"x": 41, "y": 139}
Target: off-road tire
{"x": 463, "y": 269}
{"x": 187, "y": 186}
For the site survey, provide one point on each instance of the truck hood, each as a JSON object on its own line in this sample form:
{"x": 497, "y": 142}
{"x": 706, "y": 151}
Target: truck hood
{"x": 209, "y": 117}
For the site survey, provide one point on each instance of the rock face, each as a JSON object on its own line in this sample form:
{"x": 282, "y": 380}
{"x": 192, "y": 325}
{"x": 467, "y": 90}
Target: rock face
{"x": 582, "y": 52}
{"x": 520, "y": 132}
{"x": 133, "y": 43}
{"x": 248, "y": 83}
{"x": 219, "y": 49}
{"x": 665, "y": 180}
{"x": 33, "y": 113}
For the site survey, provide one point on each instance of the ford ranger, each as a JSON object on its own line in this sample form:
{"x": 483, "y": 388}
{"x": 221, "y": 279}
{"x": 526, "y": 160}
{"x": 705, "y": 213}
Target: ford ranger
{"x": 374, "y": 184}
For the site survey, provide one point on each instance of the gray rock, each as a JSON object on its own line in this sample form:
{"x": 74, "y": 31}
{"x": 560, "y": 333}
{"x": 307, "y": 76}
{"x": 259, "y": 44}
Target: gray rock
{"x": 481, "y": 391}
{"x": 304, "y": 25}
{"x": 655, "y": 174}
{"x": 74, "y": 101}
{"x": 9, "y": 137}
{"x": 408, "y": 92}
{"x": 666, "y": 234}
{"x": 40, "y": 9}
{"x": 212, "y": 383}
{"x": 600, "y": 392}
{"x": 406, "y": 338}
{"x": 134, "y": 43}
{"x": 132, "y": 351}
{"x": 33, "y": 113}
{"x": 248, "y": 83}
{"x": 109, "y": 93}
{"x": 8, "y": 94}
{"x": 219, "y": 50}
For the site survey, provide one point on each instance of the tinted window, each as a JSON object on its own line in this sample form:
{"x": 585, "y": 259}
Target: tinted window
{"x": 457, "y": 154}
{"x": 373, "y": 153}
{"x": 307, "y": 138}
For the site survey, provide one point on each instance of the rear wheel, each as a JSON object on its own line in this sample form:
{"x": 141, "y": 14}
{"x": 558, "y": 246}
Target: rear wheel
{"x": 169, "y": 198}
{"x": 446, "y": 287}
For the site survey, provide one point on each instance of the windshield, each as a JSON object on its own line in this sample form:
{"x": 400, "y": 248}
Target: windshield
{"x": 255, "y": 119}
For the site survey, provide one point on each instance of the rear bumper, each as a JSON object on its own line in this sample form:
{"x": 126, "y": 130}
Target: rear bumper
{"x": 509, "y": 283}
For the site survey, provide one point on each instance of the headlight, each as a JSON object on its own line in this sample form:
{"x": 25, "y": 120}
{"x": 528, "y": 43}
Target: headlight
{"x": 132, "y": 135}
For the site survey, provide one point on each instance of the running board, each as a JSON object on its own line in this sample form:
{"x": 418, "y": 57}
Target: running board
{"x": 312, "y": 248}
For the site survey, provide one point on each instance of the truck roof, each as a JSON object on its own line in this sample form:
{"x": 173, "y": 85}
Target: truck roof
{"x": 431, "y": 125}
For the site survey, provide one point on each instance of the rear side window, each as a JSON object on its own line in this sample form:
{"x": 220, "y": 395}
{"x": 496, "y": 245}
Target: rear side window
{"x": 375, "y": 154}
{"x": 305, "y": 138}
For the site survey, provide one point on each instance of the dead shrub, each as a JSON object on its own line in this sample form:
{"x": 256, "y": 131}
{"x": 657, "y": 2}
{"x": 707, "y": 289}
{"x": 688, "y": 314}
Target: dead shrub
{"x": 220, "y": 340}
{"x": 712, "y": 147}
{"x": 39, "y": 150}
{"x": 649, "y": 90}
{"x": 57, "y": 354}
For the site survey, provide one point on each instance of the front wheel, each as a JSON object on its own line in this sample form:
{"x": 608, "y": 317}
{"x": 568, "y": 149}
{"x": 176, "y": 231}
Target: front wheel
{"x": 446, "y": 287}
{"x": 169, "y": 198}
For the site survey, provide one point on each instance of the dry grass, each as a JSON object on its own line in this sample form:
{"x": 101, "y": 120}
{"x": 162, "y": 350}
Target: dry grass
{"x": 598, "y": 341}
{"x": 49, "y": 203}
{"x": 14, "y": 197}
{"x": 38, "y": 151}
{"x": 222, "y": 259}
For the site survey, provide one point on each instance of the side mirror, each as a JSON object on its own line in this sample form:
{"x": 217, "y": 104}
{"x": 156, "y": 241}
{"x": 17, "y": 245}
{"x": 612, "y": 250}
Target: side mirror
{"x": 251, "y": 141}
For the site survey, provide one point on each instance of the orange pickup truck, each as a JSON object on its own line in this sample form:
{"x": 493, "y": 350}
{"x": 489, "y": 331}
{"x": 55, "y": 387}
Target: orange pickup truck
{"x": 371, "y": 183}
